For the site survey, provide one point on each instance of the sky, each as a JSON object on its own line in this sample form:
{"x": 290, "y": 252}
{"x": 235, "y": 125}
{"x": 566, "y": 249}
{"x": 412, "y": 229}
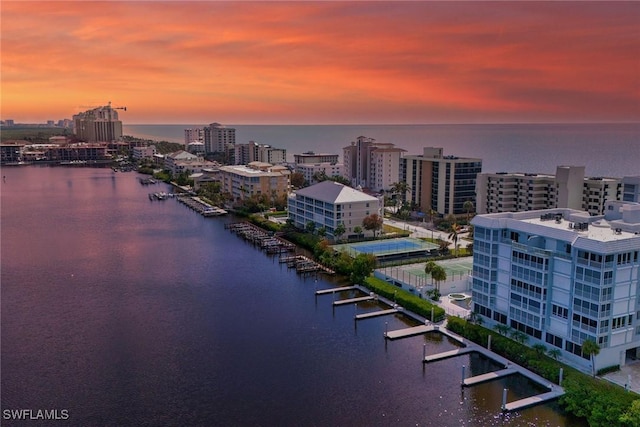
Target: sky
{"x": 329, "y": 62}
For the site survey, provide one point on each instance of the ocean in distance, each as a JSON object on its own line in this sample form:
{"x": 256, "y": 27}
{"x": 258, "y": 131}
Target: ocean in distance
{"x": 607, "y": 150}
{"x": 130, "y": 312}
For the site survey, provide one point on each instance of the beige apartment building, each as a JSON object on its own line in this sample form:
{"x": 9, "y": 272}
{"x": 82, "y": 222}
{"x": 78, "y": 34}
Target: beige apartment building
{"x": 255, "y": 178}
{"x": 568, "y": 188}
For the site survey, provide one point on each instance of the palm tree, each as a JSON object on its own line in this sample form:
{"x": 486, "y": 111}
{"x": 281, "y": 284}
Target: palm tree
{"x": 468, "y": 207}
{"x": 591, "y": 349}
{"x": 502, "y": 329}
{"x": 428, "y": 268}
{"x": 453, "y": 235}
{"x": 438, "y": 274}
{"x": 400, "y": 188}
{"x": 540, "y": 349}
{"x": 339, "y": 231}
{"x": 520, "y": 337}
{"x": 554, "y": 353}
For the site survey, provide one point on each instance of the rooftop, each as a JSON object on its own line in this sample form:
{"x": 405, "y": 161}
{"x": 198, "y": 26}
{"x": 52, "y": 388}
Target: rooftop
{"x": 334, "y": 192}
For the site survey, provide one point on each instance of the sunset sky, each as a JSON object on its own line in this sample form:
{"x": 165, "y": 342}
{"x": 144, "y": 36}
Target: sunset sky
{"x": 322, "y": 62}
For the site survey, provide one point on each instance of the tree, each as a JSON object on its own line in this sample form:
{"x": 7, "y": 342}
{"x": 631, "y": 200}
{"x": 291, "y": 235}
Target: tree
{"x": 468, "y": 207}
{"x": 400, "y": 188}
{"x": 438, "y": 274}
{"x": 297, "y": 180}
{"x": 373, "y": 223}
{"x": 554, "y": 353}
{"x": 358, "y": 230}
{"x": 311, "y": 227}
{"x": 592, "y": 349}
{"x": 428, "y": 267}
{"x": 519, "y": 336}
{"x": 453, "y": 235}
{"x": 540, "y": 349}
{"x": 339, "y": 231}
{"x": 631, "y": 416}
{"x": 322, "y": 231}
{"x": 502, "y": 329}
{"x": 362, "y": 266}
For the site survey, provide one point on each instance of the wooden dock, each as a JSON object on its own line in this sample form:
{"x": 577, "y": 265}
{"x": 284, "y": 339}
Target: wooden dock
{"x": 533, "y": 400}
{"x": 447, "y": 354}
{"x": 353, "y": 300}
{"x": 407, "y": 332}
{"x": 488, "y": 376}
{"x": 334, "y": 290}
{"x": 376, "y": 313}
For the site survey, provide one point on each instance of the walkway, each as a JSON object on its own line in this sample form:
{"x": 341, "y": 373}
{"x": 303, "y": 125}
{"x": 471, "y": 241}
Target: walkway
{"x": 621, "y": 377}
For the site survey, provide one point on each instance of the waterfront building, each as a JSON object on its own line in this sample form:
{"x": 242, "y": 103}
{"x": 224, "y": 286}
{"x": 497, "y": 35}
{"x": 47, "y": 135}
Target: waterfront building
{"x": 219, "y": 139}
{"x": 568, "y": 188}
{"x": 254, "y": 179}
{"x": 98, "y": 125}
{"x": 182, "y": 161}
{"x": 373, "y": 165}
{"x": 140, "y": 153}
{"x": 631, "y": 188}
{"x": 193, "y": 135}
{"x": 11, "y": 152}
{"x": 311, "y": 170}
{"x": 254, "y": 152}
{"x": 562, "y": 277}
{"x": 81, "y": 151}
{"x": 314, "y": 158}
{"x": 330, "y": 203}
{"x": 440, "y": 183}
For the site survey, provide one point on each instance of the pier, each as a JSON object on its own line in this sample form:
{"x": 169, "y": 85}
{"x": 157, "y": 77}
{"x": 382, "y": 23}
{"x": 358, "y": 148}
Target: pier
{"x": 408, "y": 332}
{"x": 334, "y": 290}
{"x": 510, "y": 368}
{"x": 353, "y": 300}
{"x": 376, "y": 313}
{"x": 488, "y": 376}
{"x": 273, "y": 244}
{"x": 200, "y": 206}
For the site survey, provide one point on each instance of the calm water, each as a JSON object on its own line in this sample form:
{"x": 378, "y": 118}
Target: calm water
{"x": 129, "y": 312}
{"x": 604, "y": 149}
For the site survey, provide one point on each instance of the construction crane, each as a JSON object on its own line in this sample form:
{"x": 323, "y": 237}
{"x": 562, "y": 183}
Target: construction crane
{"x": 91, "y": 107}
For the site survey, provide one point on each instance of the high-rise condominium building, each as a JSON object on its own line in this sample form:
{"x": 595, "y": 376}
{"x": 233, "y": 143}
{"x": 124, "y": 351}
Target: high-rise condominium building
{"x": 193, "y": 135}
{"x": 98, "y": 125}
{"x": 254, "y": 152}
{"x": 440, "y": 183}
{"x": 372, "y": 164}
{"x": 568, "y": 188}
{"x": 219, "y": 139}
{"x": 562, "y": 277}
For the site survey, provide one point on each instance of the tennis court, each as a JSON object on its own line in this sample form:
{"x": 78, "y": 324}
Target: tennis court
{"x": 388, "y": 248}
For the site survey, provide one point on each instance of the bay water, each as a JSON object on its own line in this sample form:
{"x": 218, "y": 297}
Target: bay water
{"x": 130, "y": 312}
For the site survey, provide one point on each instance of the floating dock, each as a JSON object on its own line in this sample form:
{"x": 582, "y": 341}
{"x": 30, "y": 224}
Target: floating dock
{"x": 447, "y": 354}
{"x": 376, "y": 313}
{"x": 334, "y": 290}
{"x": 533, "y": 400}
{"x": 488, "y": 376}
{"x": 408, "y": 332}
{"x": 353, "y": 300}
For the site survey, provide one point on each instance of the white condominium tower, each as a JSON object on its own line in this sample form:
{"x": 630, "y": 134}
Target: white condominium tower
{"x": 562, "y": 277}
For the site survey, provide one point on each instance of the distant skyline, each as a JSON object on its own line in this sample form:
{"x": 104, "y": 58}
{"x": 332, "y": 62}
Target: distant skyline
{"x": 322, "y": 62}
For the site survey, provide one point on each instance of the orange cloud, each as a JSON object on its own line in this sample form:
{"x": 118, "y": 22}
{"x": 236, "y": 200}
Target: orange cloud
{"x": 323, "y": 62}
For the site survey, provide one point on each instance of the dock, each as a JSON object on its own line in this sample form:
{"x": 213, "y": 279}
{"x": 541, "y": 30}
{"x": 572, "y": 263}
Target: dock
{"x": 533, "y": 400}
{"x": 353, "y": 300}
{"x": 376, "y": 313}
{"x": 334, "y": 290}
{"x": 488, "y": 376}
{"x": 447, "y": 354}
{"x": 407, "y": 332}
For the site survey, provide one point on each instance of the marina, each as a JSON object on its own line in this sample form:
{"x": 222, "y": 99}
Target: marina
{"x": 200, "y": 206}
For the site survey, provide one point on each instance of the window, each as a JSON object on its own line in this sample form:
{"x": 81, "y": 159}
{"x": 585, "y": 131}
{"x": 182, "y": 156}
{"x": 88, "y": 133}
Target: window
{"x": 561, "y": 312}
